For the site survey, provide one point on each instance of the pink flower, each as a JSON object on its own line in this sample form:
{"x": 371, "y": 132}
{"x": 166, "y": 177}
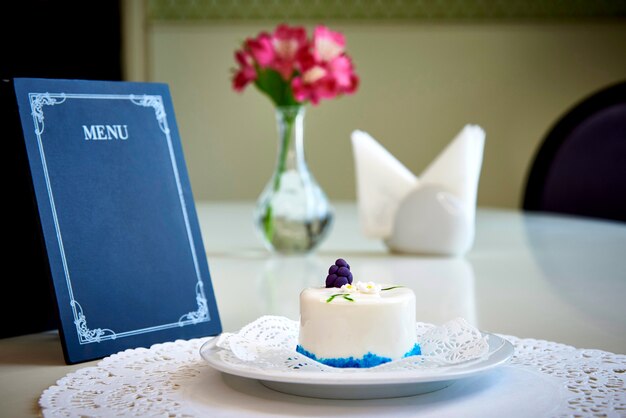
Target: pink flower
{"x": 324, "y": 80}
{"x": 287, "y": 42}
{"x": 261, "y": 49}
{"x": 246, "y": 72}
{"x": 307, "y": 70}
{"x": 327, "y": 45}
{"x": 313, "y": 85}
{"x": 315, "y": 81}
{"x": 342, "y": 71}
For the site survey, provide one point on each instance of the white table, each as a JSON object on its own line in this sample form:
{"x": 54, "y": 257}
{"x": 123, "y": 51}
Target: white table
{"x": 541, "y": 276}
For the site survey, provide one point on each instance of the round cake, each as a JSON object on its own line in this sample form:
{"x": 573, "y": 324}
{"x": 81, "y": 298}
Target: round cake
{"x": 362, "y": 324}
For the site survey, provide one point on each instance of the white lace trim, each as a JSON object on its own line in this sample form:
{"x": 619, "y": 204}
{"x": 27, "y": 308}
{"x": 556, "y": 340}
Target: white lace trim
{"x": 152, "y": 382}
{"x": 270, "y": 343}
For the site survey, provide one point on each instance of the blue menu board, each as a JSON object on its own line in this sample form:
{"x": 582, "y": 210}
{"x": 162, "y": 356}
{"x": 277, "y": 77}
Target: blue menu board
{"x": 117, "y": 215}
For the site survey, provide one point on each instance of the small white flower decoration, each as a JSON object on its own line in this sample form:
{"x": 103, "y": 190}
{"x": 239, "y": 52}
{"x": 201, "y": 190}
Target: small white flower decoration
{"x": 349, "y": 288}
{"x": 368, "y": 288}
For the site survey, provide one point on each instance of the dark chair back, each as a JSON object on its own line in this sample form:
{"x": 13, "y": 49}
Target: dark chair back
{"x": 580, "y": 168}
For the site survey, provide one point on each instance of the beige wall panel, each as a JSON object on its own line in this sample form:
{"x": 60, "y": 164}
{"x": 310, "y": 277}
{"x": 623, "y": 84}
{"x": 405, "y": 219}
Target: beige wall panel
{"x": 420, "y": 83}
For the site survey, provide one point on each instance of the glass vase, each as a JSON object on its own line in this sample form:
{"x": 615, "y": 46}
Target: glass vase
{"x": 292, "y": 214}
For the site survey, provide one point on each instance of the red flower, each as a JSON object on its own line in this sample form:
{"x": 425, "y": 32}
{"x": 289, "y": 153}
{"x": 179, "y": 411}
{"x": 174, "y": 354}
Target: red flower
{"x": 343, "y": 73}
{"x": 288, "y": 43}
{"x": 261, "y": 50}
{"x": 327, "y": 45}
{"x": 309, "y": 70}
{"x": 246, "y": 72}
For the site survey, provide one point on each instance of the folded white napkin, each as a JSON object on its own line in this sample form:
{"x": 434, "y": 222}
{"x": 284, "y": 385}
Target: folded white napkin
{"x": 395, "y": 205}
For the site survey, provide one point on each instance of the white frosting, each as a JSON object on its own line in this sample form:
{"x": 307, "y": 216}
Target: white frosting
{"x": 381, "y": 323}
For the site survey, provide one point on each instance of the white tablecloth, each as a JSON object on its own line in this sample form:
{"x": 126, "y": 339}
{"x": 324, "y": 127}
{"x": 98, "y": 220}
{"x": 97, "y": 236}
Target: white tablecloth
{"x": 543, "y": 379}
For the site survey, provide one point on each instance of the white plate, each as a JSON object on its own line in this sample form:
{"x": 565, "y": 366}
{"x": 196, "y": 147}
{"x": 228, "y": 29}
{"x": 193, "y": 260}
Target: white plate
{"x": 359, "y": 383}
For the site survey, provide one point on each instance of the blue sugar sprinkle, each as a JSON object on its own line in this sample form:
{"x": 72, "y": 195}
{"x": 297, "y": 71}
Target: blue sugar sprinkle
{"x": 415, "y": 351}
{"x": 367, "y": 361}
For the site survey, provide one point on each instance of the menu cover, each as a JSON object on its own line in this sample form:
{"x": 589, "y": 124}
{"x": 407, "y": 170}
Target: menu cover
{"x": 117, "y": 215}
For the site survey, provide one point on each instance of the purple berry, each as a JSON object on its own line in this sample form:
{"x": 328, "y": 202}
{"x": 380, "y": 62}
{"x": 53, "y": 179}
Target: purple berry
{"x": 330, "y": 280}
{"x": 341, "y": 262}
{"x": 343, "y": 271}
{"x": 339, "y": 274}
{"x": 341, "y": 281}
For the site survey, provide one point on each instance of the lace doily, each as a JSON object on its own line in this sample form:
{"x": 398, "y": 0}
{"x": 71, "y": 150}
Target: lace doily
{"x": 269, "y": 343}
{"x": 172, "y": 380}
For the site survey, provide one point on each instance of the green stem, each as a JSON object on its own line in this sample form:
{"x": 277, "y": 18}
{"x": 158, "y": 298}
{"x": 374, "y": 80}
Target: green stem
{"x": 389, "y": 288}
{"x": 289, "y": 118}
{"x": 346, "y": 296}
{"x": 282, "y": 158}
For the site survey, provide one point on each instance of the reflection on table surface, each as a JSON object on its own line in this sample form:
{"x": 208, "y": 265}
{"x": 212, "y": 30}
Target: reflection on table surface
{"x": 533, "y": 276}
{"x": 444, "y": 289}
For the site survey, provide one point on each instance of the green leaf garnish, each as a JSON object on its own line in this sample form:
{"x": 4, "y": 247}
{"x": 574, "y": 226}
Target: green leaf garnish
{"x": 344, "y": 295}
{"x": 330, "y": 299}
{"x": 347, "y": 297}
